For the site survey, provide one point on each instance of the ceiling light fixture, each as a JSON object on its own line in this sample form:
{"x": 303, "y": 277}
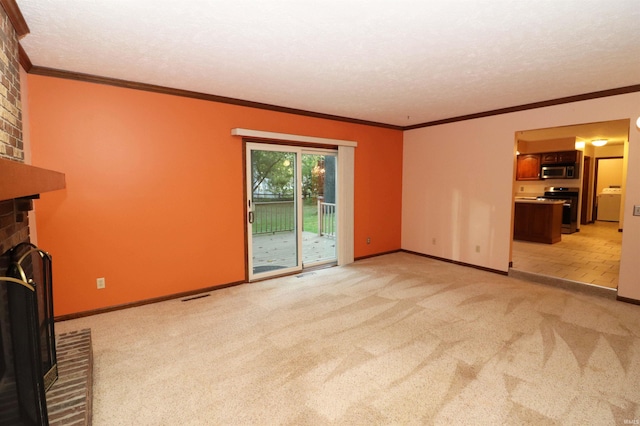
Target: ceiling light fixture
{"x": 599, "y": 142}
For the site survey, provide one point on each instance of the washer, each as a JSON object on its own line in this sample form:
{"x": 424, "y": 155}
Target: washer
{"x": 609, "y": 204}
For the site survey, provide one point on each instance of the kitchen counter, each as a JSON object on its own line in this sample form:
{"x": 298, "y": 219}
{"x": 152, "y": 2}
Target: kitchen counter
{"x": 538, "y": 220}
{"x": 538, "y": 201}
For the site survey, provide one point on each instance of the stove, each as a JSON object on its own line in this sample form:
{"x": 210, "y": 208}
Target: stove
{"x": 570, "y": 206}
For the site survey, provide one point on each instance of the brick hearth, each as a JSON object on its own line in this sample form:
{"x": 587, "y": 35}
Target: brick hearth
{"x": 69, "y": 399}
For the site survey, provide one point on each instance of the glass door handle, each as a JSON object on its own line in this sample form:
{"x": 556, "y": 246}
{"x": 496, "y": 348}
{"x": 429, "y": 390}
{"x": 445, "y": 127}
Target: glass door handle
{"x": 250, "y": 217}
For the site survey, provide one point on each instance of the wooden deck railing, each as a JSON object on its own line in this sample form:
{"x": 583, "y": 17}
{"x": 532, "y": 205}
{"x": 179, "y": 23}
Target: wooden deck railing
{"x": 280, "y": 216}
{"x": 326, "y": 219}
{"x": 273, "y": 216}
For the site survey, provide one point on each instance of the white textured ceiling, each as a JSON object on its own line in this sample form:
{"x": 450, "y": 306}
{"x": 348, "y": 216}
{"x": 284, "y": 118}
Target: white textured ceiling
{"x": 400, "y": 62}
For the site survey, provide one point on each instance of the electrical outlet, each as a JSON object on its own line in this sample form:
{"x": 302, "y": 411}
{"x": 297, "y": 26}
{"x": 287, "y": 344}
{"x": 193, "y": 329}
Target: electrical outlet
{"x": 522, "y": 189}
{"x": 100, "y": 282}
{"x": 368, "y": 240}
{"x": 433, "y": 241}
{"x": 477, "y": 249}
{"x": 636, "y": 210}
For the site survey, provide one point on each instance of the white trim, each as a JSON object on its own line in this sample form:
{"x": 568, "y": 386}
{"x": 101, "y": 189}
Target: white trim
{"x": 346, "y": 160}
{"x": 291, "y": 138}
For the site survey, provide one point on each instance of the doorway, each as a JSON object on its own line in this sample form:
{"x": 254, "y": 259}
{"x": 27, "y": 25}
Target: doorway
{"x": 592, "y": 255}
{"x": 291, "y": 208}
{"x": 608, "y": 176}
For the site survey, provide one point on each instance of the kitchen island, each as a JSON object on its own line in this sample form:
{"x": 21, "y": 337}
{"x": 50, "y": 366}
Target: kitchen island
{"x": 538, "y": 220}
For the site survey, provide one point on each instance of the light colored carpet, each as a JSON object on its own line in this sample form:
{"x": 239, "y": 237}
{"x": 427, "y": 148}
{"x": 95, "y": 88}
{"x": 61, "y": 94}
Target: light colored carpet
{"x": 395, "y": 339}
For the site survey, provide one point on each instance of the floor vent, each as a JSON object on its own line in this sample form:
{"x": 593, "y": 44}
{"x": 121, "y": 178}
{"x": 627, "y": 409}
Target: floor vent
{"x": 305, "y": 274}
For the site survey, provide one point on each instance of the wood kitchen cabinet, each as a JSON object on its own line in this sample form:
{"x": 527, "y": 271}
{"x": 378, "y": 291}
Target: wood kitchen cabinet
{"x": 559, "y": 157}
{"x": 528, "y": 167}
{"x": 568, "y": 157}
{"x": 538, "y": 221}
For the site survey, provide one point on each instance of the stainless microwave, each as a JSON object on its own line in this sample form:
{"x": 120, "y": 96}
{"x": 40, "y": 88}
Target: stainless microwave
{"x": 558, "y": 172}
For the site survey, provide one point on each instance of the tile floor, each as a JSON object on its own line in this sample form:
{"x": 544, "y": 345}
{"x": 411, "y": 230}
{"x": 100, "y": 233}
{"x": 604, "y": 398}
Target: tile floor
{"x": 589, "y": 256}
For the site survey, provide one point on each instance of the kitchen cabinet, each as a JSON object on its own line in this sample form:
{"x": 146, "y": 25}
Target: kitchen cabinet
{"x": 539, "y": 221}
{"x": 559, "y": 157}
{"x": 528, "y": 167}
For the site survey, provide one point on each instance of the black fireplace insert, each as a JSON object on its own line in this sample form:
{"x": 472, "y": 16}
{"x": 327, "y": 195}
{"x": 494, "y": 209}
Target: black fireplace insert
{"x": 28, "y": 365}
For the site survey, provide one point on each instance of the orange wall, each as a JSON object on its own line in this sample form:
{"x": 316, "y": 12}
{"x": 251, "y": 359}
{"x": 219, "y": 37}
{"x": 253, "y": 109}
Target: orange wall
{"x": 154, "y": 197}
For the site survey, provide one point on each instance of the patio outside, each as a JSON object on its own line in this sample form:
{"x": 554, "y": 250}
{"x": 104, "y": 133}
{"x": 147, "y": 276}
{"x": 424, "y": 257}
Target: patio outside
{"x": 274, "y": 239}
{"x": 274, "y": 211}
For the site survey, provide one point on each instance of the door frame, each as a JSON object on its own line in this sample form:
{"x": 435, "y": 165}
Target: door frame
{"x": 595, "y": 184}
{"x": 258, "y": 146}
{"x": 587, "y": 193}
{"x": 346, "y": 177}
{"x": 326, "y": 152}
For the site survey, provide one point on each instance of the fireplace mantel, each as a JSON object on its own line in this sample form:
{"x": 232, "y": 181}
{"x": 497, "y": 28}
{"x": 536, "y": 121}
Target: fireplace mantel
{"x": 19, "y": 180}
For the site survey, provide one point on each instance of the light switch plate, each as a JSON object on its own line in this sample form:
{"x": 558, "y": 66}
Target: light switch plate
{"x": 636, "y": 210}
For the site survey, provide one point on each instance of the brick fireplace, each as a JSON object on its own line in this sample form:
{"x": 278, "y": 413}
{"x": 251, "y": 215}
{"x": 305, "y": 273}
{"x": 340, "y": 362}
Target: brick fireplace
{"x": 68, "y": 400}
{"x": 11, "y": 143}
{"x": 27, "y": 346}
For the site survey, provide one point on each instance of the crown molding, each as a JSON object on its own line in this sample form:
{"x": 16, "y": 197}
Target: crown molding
{"x": 534, "y": 105}
{"x": 15, "y": 16}
{"x": 23, "y": 58}
{"x": 51, "y": 72}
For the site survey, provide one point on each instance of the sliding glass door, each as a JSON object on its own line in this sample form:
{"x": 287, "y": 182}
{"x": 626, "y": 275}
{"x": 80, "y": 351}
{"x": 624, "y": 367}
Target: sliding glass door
{"x": 273, "y": 214}
{"x": 291, "y": 208}
{"x": 319, "y": 226}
